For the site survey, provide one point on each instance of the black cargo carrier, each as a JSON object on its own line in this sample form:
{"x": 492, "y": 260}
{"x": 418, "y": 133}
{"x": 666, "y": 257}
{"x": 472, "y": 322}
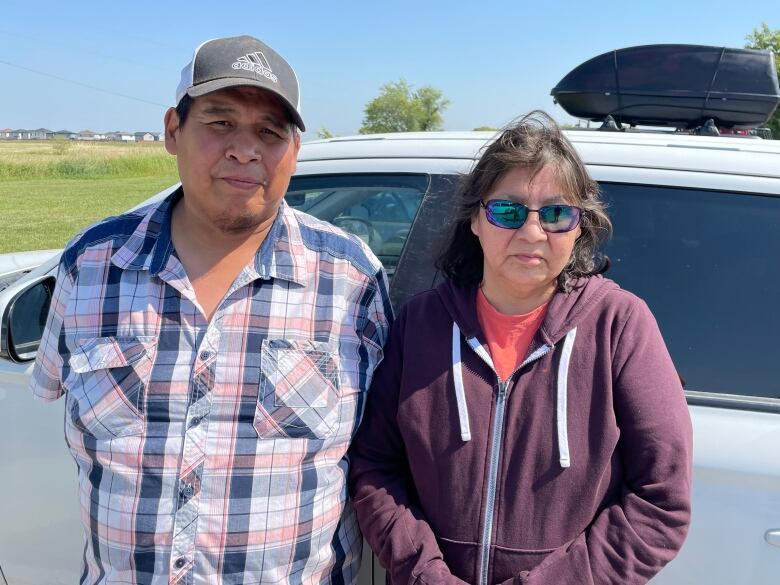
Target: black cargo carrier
{"x": 673, "y": 85}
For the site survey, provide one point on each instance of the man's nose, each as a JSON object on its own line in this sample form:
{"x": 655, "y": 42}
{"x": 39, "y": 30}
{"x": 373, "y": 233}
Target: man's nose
{"x": 244, "y": 147}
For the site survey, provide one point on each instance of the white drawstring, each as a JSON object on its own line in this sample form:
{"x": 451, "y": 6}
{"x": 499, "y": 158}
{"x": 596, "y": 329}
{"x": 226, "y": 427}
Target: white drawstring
{"x": 460, "y": 393}
{"x": 563, "y": 391}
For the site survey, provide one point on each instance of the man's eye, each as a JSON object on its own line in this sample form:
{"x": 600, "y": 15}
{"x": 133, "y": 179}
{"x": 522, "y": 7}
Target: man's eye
{"x": 220, "y": 124}
{"x": 270, "y": 132}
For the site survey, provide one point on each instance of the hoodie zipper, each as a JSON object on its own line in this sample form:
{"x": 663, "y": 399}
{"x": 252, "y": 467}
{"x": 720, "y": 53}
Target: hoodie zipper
{"x": 495, "y": 452}
{"x": 495, "y": 448}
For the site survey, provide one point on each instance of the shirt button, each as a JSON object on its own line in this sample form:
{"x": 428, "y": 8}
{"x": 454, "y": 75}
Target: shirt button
{"x": 204, "y": 355}
{"x": 195, "y": 422}
{"x": 187, "y": 491}
{"x": 180, "y": 562}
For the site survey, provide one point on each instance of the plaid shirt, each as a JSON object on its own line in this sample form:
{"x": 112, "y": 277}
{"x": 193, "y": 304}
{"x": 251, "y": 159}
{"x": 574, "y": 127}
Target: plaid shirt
{"x": 214, "y": 452}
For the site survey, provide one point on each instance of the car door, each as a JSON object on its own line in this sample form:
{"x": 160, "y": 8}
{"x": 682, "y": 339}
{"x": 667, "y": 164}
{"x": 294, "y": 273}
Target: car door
{"x": 705, "y": 261}
{"x": 40, "y": 533}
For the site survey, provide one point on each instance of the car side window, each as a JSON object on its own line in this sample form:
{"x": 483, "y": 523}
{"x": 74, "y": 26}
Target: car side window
{"x": 706, "y": 263}
{"x": 379, "y": 209}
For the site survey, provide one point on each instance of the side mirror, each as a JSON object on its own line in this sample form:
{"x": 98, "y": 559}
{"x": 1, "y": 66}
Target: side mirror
{"x": 24, "y": 320}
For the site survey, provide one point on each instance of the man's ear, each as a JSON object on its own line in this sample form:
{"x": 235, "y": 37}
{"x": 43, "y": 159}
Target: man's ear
{"x": 171, "y": 122}
{"x": 297, "y": 147}
{"x": 297, "y": 139}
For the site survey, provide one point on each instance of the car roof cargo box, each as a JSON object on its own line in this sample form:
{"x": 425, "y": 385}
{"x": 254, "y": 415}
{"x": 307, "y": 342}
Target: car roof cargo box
{"x": 673, "y": 85}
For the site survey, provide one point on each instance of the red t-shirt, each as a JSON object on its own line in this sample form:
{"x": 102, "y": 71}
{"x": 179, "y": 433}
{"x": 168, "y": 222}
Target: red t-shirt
{"x": 507, "y": 336}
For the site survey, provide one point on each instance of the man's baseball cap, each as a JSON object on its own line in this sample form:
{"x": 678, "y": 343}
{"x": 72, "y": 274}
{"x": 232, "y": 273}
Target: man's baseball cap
{"x": 244, "y": 60}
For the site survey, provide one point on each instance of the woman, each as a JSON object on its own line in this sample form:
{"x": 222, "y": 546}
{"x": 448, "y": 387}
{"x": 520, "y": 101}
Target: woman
{"x": 527, "y": 424}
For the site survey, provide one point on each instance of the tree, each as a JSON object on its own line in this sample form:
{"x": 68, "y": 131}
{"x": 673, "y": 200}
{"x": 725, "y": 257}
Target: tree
{"x": 768, "y": 39}
{"x": 398, "y": 108}
{"x": 430, "y": 104}
{"x": 485, "y": 129}
{"x": 324, "y": 133}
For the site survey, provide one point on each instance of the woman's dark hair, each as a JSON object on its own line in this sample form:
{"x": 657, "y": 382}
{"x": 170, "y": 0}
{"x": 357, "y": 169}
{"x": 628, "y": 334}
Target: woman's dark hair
{"x": 533, "y": 142}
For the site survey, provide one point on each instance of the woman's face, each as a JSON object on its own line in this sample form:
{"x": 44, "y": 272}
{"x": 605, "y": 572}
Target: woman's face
{"x": 521, "y": 265}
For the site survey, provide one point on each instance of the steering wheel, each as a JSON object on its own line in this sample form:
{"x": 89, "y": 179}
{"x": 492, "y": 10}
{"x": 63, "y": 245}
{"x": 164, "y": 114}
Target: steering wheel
{"x": 360, "y": 227}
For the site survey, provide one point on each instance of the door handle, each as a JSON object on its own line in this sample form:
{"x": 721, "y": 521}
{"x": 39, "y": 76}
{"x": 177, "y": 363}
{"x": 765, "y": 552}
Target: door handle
{"x": 772, "y": 537}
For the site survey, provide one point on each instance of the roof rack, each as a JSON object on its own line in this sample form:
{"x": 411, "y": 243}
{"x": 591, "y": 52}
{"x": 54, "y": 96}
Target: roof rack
{"x": 684, "y": 86}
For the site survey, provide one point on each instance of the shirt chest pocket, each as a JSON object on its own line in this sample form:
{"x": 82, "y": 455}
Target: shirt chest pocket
{"x": 299, "y": 394}
{"x": 107, "y": 386}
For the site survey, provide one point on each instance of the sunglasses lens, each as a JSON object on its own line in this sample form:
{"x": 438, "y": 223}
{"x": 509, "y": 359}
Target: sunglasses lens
{"x": 512, "y": 215}
{"x": 506, "y": 214}
{"x": 559, "y": 218}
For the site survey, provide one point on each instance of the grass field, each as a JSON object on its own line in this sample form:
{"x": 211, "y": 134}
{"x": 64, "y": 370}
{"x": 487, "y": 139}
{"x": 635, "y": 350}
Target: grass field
{"x": 50, "y": 190}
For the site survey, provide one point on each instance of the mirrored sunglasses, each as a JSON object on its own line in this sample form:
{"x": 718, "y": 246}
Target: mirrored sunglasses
{"x": 511, "y": 215}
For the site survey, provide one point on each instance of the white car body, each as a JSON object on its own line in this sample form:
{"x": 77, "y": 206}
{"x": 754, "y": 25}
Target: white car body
{"x": 14, "y": 265}
{"x": 734, "y": 537}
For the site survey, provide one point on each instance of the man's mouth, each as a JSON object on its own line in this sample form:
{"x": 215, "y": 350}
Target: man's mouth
{"x": 244, "y": 183}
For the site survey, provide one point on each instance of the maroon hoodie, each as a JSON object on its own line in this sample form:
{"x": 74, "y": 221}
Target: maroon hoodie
{"x": 576, "y": 470}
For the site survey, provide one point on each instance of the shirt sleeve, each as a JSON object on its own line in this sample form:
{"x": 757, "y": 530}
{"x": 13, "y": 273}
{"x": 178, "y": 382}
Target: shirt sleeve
{"x": 46, "y": 382}
{"x": 375, "y": 328}
{"x": 633, "y": 538}
{"x": 383, "y": 493}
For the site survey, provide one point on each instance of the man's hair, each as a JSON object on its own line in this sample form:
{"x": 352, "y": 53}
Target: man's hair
{"x": 184, "y": 106}
{"x": 534, "y": 142}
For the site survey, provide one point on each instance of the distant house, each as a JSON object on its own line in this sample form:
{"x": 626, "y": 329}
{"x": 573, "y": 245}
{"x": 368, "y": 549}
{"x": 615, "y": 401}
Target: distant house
{"x": 5, "y": 133}
{"x": 89, "y": 135}
{"x": 119, "y": 136}
{"x": 39, "y": 134}
{"x": 144, "y": 137}
{"x": 63, "y": 134}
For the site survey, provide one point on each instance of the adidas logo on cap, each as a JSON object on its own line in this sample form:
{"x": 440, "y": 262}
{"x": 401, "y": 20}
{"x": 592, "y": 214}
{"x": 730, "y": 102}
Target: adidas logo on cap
{"x": 255, "y": 62}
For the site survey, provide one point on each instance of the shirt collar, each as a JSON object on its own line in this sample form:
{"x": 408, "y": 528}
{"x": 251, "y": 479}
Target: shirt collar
{"x": 282, "y": 254}
{"x": 149, "y": 247}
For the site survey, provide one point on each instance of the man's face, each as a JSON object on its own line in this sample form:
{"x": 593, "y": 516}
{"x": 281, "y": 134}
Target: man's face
{"x": 236, "y": 153}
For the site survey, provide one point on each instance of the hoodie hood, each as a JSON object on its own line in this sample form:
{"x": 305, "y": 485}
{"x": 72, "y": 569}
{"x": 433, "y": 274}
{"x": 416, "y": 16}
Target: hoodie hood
{"x": 563, "y": 314}
{"x": 565, "y": 311}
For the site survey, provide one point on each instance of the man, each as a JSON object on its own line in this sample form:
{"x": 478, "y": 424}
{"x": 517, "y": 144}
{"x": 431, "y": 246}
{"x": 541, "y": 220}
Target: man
{"x": 214, "y": 350}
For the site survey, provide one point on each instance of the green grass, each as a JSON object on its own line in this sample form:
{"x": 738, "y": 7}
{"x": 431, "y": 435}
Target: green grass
{"x": 57, "y": 159}
{"x": 42, "y": 214}
{"x": 49, "y": 191}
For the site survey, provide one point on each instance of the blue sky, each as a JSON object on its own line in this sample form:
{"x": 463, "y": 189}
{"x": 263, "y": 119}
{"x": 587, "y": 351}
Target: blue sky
{"x": 115, "y": 66}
